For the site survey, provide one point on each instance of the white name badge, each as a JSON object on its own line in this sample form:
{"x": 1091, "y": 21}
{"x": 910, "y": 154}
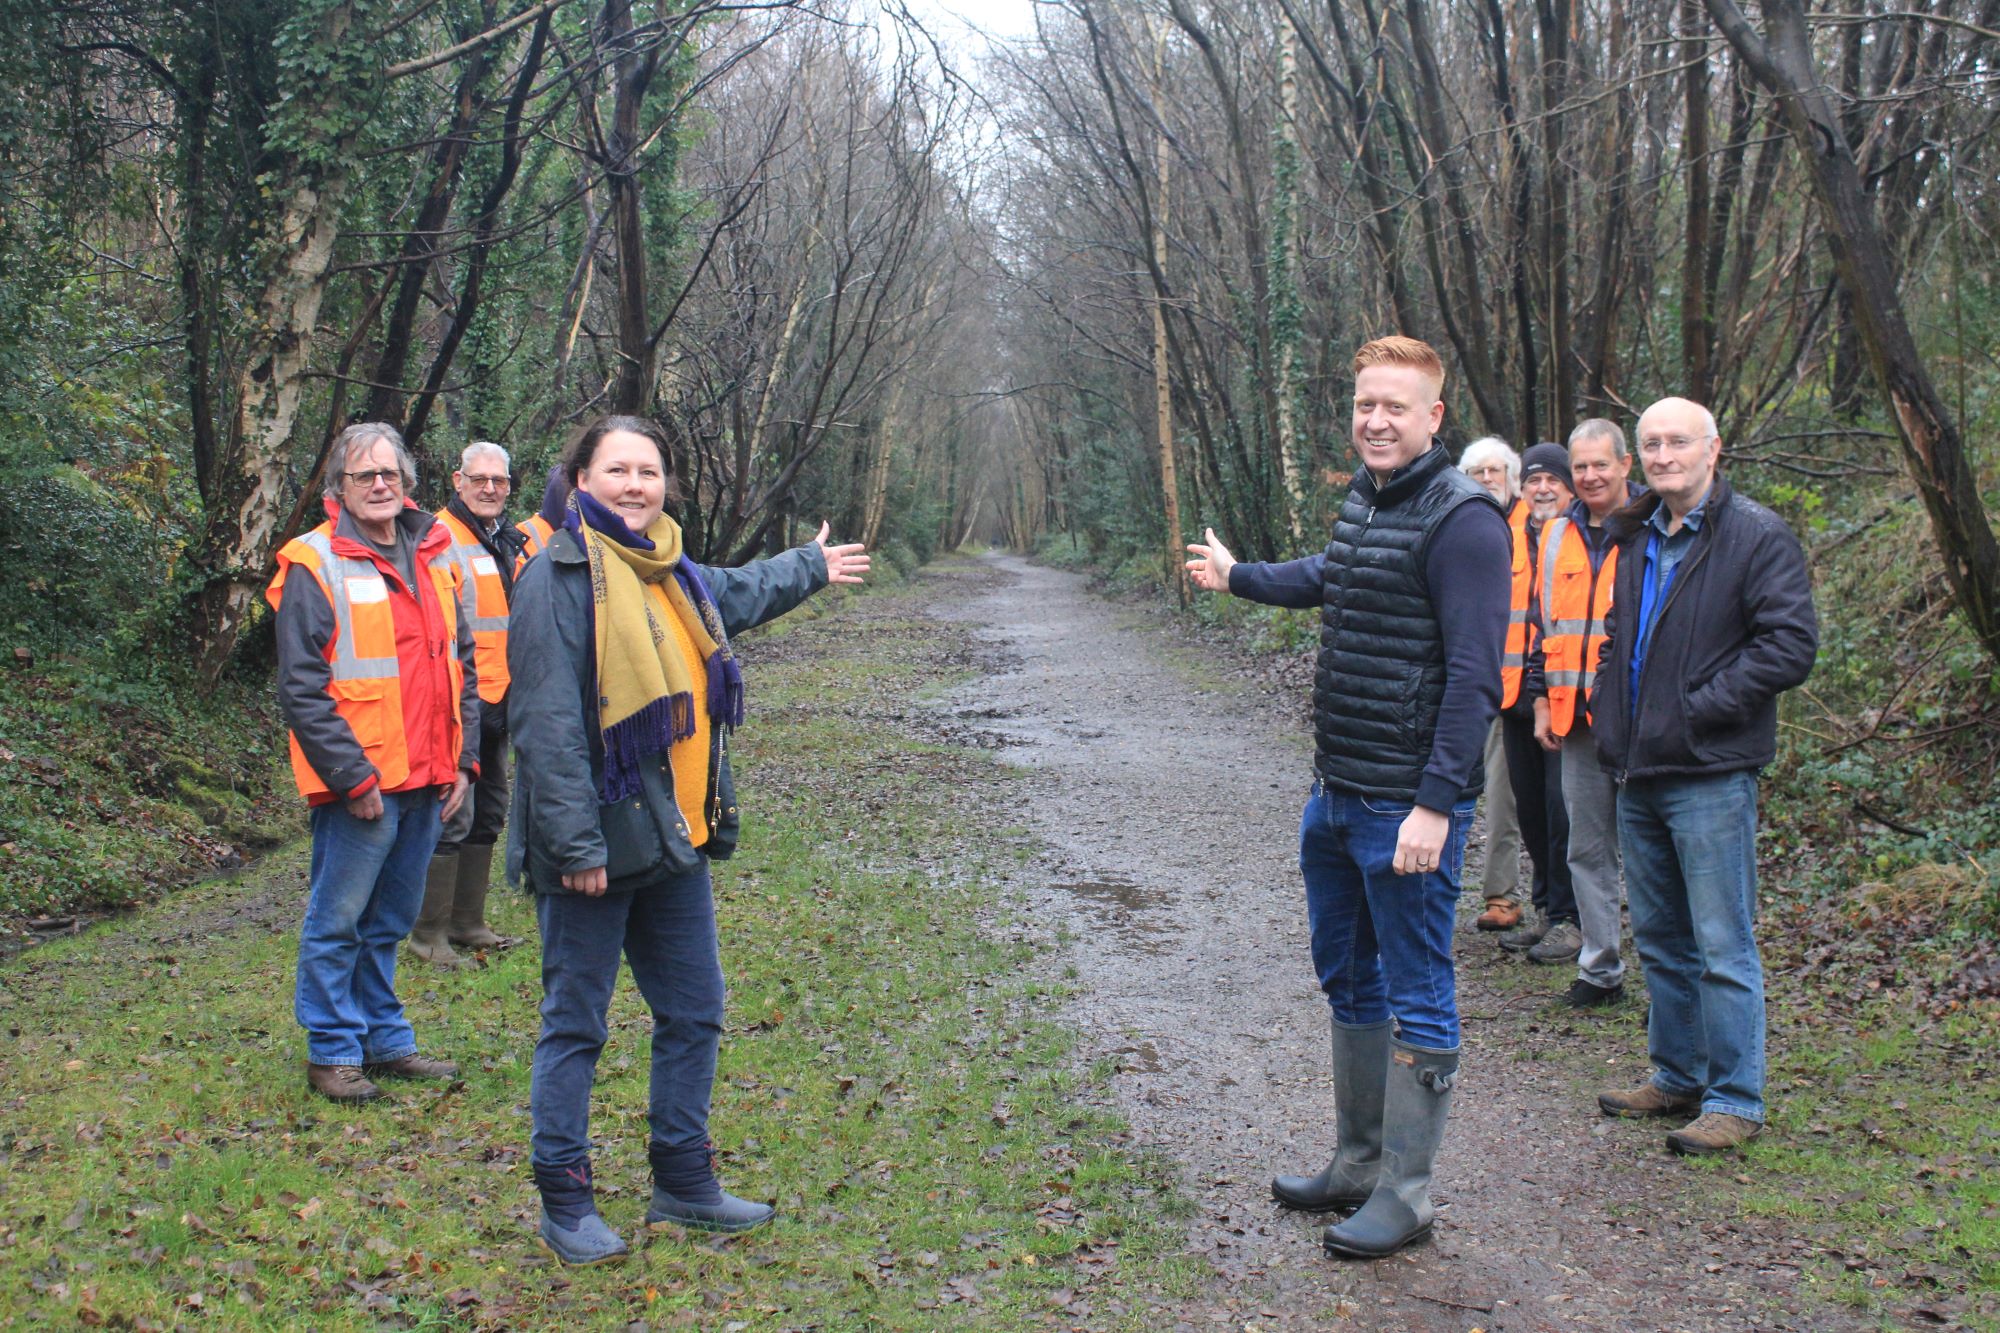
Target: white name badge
{"x": 367, "y": 590}
{"x": 483, "y": 564}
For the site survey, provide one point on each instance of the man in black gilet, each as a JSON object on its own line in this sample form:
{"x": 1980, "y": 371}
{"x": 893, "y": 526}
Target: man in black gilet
{"x": 1412, "y": 592}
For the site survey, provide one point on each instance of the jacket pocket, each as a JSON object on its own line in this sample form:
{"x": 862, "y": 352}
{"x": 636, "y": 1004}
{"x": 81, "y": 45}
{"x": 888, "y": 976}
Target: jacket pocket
{"x": 632, "y": 844}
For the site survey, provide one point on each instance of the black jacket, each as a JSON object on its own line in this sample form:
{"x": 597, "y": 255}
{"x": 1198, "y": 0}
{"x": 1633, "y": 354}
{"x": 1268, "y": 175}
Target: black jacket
{"x": 1737, "y": 630}
{"x": 558, "y": 826}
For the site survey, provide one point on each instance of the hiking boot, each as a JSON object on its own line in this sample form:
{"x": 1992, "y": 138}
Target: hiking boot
{"x": 1561, "y": 945}
{"x": 1713, "y": 1132}
{"x": 1589, "y": 995}
{"x": 414, "y": 1066}
{"x": 1360, "y": 1068}
{"x": 341, "y": 1083}
{"x": 1525, "y": 937}
{"x": 427, "y": 938}
{"x": 1500, "y": 914}
{"x": 468, "y": 928}
{"x": 1647, "y": 1100}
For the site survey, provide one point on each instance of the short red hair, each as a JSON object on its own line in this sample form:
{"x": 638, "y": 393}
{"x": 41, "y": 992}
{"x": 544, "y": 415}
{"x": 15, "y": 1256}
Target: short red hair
{"x": 1396, "y": 350}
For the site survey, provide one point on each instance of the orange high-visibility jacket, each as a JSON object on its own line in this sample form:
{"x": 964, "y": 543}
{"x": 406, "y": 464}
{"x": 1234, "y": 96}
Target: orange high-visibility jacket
{"x": 1576, "y": 605}
{"x": 386, "y": 650}
{"x": 1514, "y": 656}
{"x": 483, "y": 602}
{"x": 537, "y": 530}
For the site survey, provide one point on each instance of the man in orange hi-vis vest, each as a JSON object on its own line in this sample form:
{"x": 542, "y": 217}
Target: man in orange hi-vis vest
{"x": 536, "y": 529}
{"x": 377, "y": 683}
{"x": 482, "y": 556}
{"x": 1578, "y": 566}
{"x": 1536, "y": 774}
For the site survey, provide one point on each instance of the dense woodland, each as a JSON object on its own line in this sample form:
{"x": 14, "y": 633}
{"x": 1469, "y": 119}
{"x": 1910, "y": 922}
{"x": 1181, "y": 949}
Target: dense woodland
{"x": 1085, "y": 289}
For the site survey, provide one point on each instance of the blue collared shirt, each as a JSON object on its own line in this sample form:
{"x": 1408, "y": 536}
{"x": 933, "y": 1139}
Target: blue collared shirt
{"x": 1664, "y": 553}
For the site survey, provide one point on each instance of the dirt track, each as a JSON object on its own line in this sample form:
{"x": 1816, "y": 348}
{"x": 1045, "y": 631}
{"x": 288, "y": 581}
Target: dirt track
{"x": 1170, "y": 797}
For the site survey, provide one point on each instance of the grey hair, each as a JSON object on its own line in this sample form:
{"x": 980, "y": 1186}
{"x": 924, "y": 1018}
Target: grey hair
{"x": 359, "y": 436}
{"x": 1599, "y": 428}
{"x": 483, "y": 449}
{"x": 1485, "y": 450}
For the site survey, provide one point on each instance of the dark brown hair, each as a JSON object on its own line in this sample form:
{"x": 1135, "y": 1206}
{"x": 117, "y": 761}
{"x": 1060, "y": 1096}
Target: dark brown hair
{"x": 584, "y": 448}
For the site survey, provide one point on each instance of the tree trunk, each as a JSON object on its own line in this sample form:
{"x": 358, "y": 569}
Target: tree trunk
{"x": 294, "y": 252}
{"x": 1697, "y": 328}
{"x": 1932, "y": 447}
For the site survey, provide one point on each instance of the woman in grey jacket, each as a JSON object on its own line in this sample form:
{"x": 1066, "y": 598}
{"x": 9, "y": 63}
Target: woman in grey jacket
{"x": 624, "y": 692}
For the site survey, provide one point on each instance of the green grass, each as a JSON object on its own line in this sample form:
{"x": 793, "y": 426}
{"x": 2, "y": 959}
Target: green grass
{"x": 117, "y": 791}
{"x": 893, "y": 1078}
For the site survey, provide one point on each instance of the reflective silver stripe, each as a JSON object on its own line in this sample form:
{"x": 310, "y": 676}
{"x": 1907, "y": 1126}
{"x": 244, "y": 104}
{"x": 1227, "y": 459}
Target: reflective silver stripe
{"x": 335, "y": 571}
{"x": 1570, "y": 627}
{"x": 1552, "y": 537}
{"x": 462, "y": 555}
{"x": 1512, "y": 661}
{"x": 1517, "y": 617}
{"x": 1558, "y": 679}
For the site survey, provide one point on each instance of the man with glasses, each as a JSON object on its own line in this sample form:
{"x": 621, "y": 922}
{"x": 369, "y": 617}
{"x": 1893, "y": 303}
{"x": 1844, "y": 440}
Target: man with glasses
{"x": 377, "y": 683}
{"x": 1492, "y": 462}
{"x": 482, "y": 556}
{"x": 1711, "y": 619}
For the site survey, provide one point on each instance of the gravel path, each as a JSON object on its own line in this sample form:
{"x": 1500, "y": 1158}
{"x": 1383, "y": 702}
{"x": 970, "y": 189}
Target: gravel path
{"x": 1170, "y": 797}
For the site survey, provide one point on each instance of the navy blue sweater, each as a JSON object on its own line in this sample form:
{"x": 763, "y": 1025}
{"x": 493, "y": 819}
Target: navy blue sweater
{"x": 1468, "y": 569}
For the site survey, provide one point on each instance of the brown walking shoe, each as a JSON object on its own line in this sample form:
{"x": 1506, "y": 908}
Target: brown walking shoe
{"x": 1648, "y": 1099}
{"x": 1500, "y": 914}
{"x": 340, "y": 1083}
{"x": 414, "y": 1066}
{"x": 1712, "y": 1132}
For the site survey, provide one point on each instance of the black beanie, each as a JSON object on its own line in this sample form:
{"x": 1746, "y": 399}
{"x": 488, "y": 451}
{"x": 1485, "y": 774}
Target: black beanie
{"x": 1545, "y": 457}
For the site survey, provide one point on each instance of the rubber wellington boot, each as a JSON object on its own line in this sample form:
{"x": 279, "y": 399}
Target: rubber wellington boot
{"x": 427, "y": 937}
{"x": 468, "y": 904}
{"x": 1414, "y": 1112}
{"x": 1360, "y": 1065}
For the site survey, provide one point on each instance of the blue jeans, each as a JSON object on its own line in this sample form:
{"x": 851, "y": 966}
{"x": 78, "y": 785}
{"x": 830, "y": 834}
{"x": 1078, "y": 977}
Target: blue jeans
{"x": 1381, "y": 942}
{"x": 666, "y": 930}
{"x": 1690, "y": 847}
{"x": 367, "y": 884}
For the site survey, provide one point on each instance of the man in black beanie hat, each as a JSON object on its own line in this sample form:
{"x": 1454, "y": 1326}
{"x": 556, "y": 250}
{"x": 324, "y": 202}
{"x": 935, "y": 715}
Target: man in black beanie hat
{"x": 1534, "y": 771}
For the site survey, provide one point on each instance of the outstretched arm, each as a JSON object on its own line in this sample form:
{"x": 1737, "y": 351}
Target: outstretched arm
{"x": 749, "y": 595}
{"x": 1295, "y": 583}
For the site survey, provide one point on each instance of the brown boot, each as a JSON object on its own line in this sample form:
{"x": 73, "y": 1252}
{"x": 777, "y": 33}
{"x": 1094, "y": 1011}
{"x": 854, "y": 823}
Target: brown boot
{"x": 468, "y": 904}
{"x": 427, "y": 937}
{"x": 340, "y": 1083}
{"x": 1500, "y": 914}
{"x": 414, "y": 1066}
{"x": 1713, "y": 1132}
{"x": 1647, "y": 1100}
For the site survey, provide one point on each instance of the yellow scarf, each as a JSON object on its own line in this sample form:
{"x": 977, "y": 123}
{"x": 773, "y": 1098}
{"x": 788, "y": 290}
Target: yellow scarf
{"x": 646, "y": 684}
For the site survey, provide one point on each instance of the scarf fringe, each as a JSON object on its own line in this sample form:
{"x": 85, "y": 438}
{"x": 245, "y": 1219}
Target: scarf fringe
{"x": 648, "y": 732}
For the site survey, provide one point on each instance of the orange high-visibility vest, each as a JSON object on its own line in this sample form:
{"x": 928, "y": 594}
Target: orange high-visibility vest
{"x": 1576, "y": 606}
{"x": 483, "y": 599}
{"x": 367, "y": 684}
{"x": 1514, "y": 655}
{"x": 537, "y": 530}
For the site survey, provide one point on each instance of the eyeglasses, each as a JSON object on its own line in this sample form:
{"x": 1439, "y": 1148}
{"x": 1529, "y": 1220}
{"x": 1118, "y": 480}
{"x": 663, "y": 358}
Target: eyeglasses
{"x": 1487, "y": 470}
{"x": 388, "y": 476}
{"x": 487, "y": 483}
{"x": 1676, "y": 443}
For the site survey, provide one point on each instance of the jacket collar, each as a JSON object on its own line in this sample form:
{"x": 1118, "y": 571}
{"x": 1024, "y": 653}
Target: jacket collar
{"x": 1636, "y": 518}
{"x": 1404, "y": 482}
{"x": 431, "y": 536}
